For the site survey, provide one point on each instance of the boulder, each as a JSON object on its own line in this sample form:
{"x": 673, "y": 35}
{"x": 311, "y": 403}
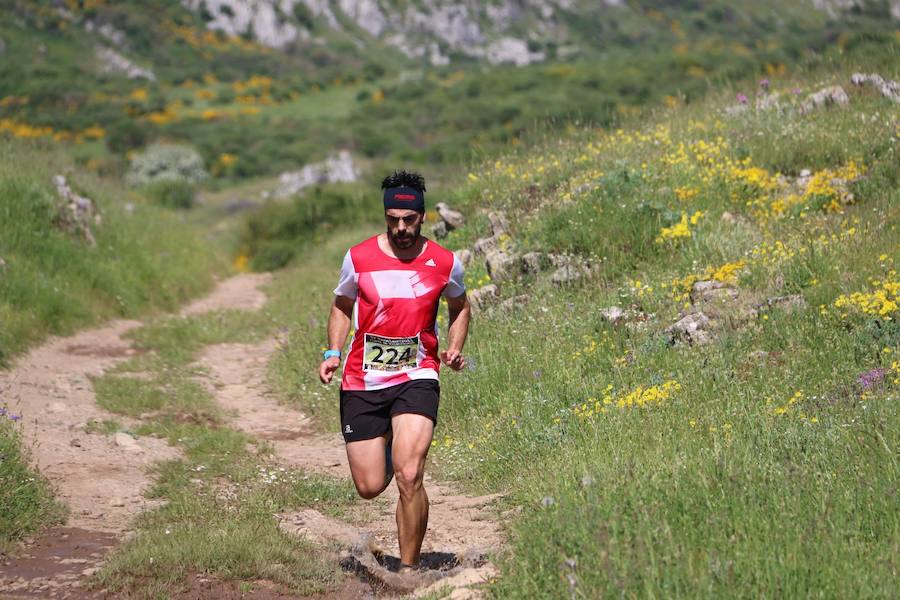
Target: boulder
{"x": 532, "y": 262}
{"x": 889, "y": 89}
{"x": 485, "y": 296}
{"x": 75, "y": 214}
{"x": 337, "y": 168}
{"x": 499, "y": 223}
{"x": 692, "y": 329}
{"x": 712, "y": 291}
{"x": 453, "y": 218}
{"x": 616, "y": 315}
{"x": 515, "y": 302}
{"x": 485, "y": 245}
{"x": 503, "y": 266}
{"x": 439, "y": 230}
{"x": 826, "y": 96}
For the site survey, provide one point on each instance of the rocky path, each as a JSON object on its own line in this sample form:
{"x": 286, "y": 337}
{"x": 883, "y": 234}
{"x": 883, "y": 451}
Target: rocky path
{"x": 101, "y": 478}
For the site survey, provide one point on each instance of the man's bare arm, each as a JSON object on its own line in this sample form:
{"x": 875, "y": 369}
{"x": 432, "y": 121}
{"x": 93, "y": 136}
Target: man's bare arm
{"x": 460, "y": 314}
{"x": 338, "y": 329}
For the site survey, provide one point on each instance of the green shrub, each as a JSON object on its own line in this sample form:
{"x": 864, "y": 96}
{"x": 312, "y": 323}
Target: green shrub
{"x": 171, "y": 194}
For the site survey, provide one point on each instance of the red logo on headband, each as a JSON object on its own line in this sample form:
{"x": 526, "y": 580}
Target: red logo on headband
{"x": 404, "y": 197}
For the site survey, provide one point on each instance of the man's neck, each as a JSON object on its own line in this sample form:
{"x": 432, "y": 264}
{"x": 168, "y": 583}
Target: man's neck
{"x": 389, "y": 248}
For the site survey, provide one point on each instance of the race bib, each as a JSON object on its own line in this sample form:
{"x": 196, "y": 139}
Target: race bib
{"x": 390, "y": 354}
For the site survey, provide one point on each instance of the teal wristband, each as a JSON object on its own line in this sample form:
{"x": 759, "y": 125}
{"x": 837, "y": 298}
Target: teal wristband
{"x": 329, "y": 353}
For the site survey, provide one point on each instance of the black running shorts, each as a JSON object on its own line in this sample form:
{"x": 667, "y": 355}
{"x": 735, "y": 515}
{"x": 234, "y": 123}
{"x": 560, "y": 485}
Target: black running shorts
{"x": 366, "y": 414}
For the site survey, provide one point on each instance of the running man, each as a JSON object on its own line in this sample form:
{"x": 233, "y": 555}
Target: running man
{"x": 389, "y": 391}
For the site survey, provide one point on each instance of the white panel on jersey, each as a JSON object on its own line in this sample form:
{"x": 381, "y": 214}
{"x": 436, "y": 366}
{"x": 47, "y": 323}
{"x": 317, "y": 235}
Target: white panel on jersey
{"x": 394, "y": 283}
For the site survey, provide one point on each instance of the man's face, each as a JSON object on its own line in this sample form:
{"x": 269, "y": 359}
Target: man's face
{"x": 403, "y": 226}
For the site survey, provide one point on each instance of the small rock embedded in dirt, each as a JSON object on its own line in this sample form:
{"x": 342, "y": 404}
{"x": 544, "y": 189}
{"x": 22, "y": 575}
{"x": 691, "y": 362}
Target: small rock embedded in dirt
{"x": 126, "y": 442}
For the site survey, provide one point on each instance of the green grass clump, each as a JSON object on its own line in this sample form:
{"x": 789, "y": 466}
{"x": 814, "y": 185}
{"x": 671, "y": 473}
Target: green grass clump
{"x": 54, "y": 282}
{"x": 26, "y": 501}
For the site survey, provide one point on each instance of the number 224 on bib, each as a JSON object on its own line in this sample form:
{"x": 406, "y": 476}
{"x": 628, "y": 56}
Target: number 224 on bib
{"x": 390, "y": 354}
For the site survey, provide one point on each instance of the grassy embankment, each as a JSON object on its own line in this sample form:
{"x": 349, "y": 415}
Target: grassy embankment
{"x": 221, "y": 497}
{"x": 760, "y": 464}
{"x": 53, "y": 282}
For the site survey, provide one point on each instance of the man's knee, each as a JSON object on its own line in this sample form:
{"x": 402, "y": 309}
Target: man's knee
{"x": 409, "y": 478}
{"x": 369, "y": 489}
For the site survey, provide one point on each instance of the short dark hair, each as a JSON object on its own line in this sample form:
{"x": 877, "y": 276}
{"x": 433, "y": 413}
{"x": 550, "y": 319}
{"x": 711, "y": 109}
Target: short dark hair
{"x": 403, "y": 178}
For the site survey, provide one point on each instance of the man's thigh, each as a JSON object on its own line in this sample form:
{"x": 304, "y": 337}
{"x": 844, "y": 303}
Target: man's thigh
{"x": 412, "y": 439}
{"x": 367, "y": 464}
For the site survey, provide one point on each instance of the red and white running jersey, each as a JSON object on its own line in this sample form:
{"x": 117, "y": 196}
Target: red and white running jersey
{"x": 396, "y": 337}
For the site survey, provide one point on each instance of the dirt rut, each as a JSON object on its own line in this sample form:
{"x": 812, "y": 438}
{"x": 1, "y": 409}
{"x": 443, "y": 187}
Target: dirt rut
{"x": 99, "y": 478}
{"x": 460, "y": 532}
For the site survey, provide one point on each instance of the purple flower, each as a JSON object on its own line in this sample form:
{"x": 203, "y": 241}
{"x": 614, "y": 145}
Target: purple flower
{"x": 2, "y": 411}
{"x": 796, "y": 91}
{"x": 764, "y": 84}
{"x": 742, "y": 98}
{"x": 13, "y": 417}
{"x": 871, "y": 378}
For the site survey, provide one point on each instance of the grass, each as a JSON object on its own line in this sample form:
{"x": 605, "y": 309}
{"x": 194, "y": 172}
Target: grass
{"x": 26, "y": 500}
{"x": 54, "y": 282}
{"x": 756, "y": 465}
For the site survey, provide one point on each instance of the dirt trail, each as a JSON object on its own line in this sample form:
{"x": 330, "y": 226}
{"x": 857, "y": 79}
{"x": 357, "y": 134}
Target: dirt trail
{"x": 460, "y": 532}
{"x": 100, "y": 478}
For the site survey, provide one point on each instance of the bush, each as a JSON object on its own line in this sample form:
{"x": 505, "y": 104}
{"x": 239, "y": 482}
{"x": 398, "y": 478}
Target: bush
{"x": 167, "y": 162}
{"x": 171, "y": 194}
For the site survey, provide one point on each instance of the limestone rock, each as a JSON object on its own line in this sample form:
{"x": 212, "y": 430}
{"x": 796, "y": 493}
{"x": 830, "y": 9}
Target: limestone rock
{"x": 485, "y": 296}
{"x": 464, "y": 256}
{"x": 516, "y": 302}
{"x": 692, "y": 329}
{"x": 616, "y": 315}
{"x": 499, "y": 223}
{"x": 126, "y": 442}
{"x": 75, "y": 214}
{"x": 712, "y": 291}
{"x": 826, "y": 96}
{"x": 888, "y": 88}
{"x": 452, "y": 218}
{"x": 337, "y": 168}
{"x": 502, "y": 266}
{"x": 114, "y": 62}
{"x": 532, "y": 262}
{"x": 485, "y": 245}
{"x": 439, "y": 230}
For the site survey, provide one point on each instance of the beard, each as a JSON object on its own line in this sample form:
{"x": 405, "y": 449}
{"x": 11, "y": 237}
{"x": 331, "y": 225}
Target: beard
{"x": 405, "y": 240}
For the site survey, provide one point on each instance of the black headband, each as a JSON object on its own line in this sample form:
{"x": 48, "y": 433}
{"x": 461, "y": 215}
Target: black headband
{"x": 404, "y": 197}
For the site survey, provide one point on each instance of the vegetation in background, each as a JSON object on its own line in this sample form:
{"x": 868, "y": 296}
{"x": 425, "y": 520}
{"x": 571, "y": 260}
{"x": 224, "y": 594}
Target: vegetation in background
{"x": 53, "y": 282}
{"x": 761, "y": 463}
{"x": 253, "y": 111}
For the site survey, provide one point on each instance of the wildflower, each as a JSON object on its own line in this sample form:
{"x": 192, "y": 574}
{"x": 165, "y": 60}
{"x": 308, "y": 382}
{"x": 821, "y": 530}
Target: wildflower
{"x": 764, "y": 84}
{"x": 871, "y": 378}
{"x": 742, "y": 99}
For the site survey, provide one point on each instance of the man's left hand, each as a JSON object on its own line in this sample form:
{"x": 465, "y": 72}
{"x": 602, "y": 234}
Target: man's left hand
{"x": 453, "y": 359}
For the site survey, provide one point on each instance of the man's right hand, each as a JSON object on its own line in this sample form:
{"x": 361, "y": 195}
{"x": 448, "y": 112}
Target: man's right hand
{"x": 327, "y": 369}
